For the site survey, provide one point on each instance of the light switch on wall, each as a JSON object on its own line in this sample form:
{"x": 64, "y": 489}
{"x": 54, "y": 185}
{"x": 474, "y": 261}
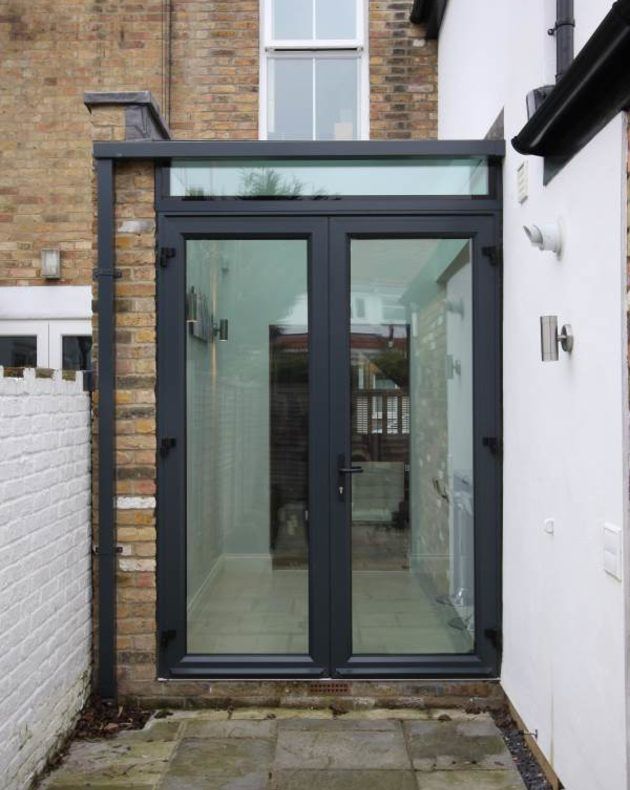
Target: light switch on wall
{"x": 612, "y": 551}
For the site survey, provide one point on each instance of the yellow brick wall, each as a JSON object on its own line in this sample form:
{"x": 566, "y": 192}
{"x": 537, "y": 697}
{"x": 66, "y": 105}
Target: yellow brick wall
{"x": 403, "y": 75}
{"x": 52, "y": 52}
{"x": 214, "y": 87}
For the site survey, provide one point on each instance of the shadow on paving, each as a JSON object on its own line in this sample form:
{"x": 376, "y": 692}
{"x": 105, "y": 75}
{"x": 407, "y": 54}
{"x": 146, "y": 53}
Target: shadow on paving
{"x": 297, "y": 750}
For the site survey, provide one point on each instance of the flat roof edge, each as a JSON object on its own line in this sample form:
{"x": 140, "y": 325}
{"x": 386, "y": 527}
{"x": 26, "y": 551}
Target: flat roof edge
{"x": 204, "y": 149}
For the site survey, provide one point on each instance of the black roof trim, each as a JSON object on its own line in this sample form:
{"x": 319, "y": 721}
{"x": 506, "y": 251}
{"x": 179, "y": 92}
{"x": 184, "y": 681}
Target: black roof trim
{"x": 592, "y": 91}
{"x": 302, "y": 149}
{"x": 429, "y": 13}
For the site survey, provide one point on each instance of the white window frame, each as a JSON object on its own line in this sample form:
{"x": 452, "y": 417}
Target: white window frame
{"x": 49, "y": 334}
{"x": 49, "y": 313}
{"x": 57, "y": 331}
{"x": 357, "y": 47}
{"x": 27, "y": 329}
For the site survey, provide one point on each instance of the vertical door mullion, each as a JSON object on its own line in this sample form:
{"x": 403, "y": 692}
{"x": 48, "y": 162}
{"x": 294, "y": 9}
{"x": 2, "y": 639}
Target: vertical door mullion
{"x": 319, "y": 450}
{"x": 341, "y": 552}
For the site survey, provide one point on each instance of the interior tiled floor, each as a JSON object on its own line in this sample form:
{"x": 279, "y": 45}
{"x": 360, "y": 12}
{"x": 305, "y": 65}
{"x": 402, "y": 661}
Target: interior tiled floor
{"x": 249, "y": 607}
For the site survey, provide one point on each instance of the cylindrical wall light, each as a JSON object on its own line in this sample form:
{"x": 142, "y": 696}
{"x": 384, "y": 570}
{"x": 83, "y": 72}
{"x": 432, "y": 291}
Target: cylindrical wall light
{"x": 550, "y": 339}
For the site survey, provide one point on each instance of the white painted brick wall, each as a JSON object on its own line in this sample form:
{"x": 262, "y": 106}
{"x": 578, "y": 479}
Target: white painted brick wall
{"x": 44, "y": 568}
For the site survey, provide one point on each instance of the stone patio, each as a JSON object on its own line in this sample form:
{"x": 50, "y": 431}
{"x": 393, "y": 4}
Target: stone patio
{"x": 284, "y": 749}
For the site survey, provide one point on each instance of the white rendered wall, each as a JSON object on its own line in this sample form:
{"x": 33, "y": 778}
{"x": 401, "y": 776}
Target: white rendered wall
{"x": 44, "y": 568}
{"x": 564, "y": 422}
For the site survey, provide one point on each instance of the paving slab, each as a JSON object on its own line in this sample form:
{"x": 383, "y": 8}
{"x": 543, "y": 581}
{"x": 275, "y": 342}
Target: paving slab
{"x": 358, "y": 749}
{"x": 240, "y": 728}
{"x": 456, "y": 714}
{"x": 296, "y": 749}
{"x": 342, "y": 780}
{"x": 242, "y": 763}
{"x": 196, "y": 714}
{"x": 116, "y": 763}
{"x": 469, "y": 780}
{"x": 437, "y": 745}
{"x": 154, "y": 730}
{"x": 342, "y": 724}
{"x": 386, "y": 713}
{"x": 282, "y": 713}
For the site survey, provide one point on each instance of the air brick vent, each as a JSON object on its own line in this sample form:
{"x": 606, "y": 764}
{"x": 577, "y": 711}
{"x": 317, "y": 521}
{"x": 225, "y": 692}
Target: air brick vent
{"x": 316, "y": 689}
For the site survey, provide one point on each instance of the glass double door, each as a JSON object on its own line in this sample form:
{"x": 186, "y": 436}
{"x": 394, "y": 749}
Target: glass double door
{"x": 319, "y": 501}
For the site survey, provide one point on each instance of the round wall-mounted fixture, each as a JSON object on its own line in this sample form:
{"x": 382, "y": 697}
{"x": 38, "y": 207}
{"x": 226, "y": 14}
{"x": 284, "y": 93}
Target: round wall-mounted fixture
{"x": 547, "y": 238}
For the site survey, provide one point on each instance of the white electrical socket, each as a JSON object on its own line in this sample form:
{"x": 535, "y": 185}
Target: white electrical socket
{"x": 549, "y": 525}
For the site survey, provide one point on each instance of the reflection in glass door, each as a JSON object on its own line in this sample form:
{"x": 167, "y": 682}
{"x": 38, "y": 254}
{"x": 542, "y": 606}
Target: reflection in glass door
{"x": 411, "y": 440}
{"x": 247, "y": 446}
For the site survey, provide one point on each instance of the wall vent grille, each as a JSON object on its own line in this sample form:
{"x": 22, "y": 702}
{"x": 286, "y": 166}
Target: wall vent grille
{"x": 329, "y": 688}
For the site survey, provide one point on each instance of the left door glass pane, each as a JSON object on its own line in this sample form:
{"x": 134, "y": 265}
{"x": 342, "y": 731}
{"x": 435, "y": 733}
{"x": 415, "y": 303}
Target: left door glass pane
{"x": 247, "y": 446}
{"x": 18, "y": 351}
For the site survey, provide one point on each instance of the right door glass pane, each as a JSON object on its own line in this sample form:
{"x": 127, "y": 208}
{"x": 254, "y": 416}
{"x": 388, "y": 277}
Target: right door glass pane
{"x": 411, "y": 430}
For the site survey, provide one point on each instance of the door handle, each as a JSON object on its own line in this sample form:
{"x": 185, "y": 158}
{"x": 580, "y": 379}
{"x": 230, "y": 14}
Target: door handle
{"x": 342, "y": 471}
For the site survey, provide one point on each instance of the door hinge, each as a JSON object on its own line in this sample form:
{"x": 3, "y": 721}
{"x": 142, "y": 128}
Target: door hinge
{"x": 495, "y": 635}
{"x": 493, "y": 444}
{"x": 494, "y": 254}
{"x": 166, "y": 445}
{"x": 166, "y": 637}
{"x": 166, "y": 253}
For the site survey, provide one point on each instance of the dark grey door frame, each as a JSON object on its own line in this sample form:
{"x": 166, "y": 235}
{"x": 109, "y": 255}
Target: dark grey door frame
{"x": 330, "y": 620}
{"x": 174, "y": 660}
{"x": 487, "y": 425}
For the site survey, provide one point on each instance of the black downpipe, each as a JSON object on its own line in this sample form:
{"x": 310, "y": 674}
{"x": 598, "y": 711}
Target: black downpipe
{"x": 564, "y": 32}
{"x": 106, "y": 550}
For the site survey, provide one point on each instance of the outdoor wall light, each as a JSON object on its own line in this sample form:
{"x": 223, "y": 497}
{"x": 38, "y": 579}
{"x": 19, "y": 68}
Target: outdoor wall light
{"x": 220, "y": 330}
{"x": 550, "y": 339}
{"x": 547, "y": 238}
{"x": 455, "y": 306}
{"x": 51, "y": 264}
